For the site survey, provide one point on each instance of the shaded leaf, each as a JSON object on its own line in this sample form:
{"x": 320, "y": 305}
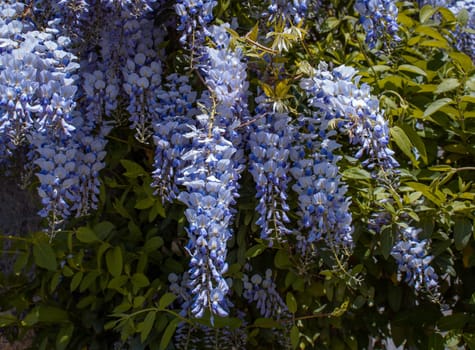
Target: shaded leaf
{"x": 146, "y": 326}
{"x": 168, "y": 334}
{"x": 462, "y": 232}
{"x": 294, "y": 336}
{"x": 114, "y": 261}
{"x": 139, "y": 280}
{"x": 64, "y": 337}
{"x": 44, "y": 255}
{"x": 133, "y": 170}
{"x": 86, "y": 235}
{"x": 166, "y": 300}
{"x": 291, "y": 303}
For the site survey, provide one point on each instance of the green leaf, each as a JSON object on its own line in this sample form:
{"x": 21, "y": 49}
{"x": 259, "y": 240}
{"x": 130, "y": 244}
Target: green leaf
{"x": 153, "y": 244}
{"x": 117, "y": 282}
{"x": 64, "y": 336}
{"x": 431, "y": 32}
{"x": 103, "y": 229}
{"x": 340, "y": 310}
{"x": 416, "y": 140}
{"x": 114, "y": 261}
{"x": 120, "y": 209}
{"x": 88, "y": 300}
{"x": 330, "y": 24}
{"x": 403, "y": 142}
{"x": 394, "y": 297}
{"x": 447, "y": 85}
{"x": 229, "y": 322}
{"x": 146, "y": 326}
{"x": 411, "y": 68}
{"x": 434, "y": 196}
{"x": 469, "y": 338}
{"x": 44, "y": 255}
{"x": 447, "y": 14}
{"x": 88, "y": 280}
{"x": 86, "y": 235}
{"x": 294, "y": 336}
{"x": 133, "y": 170}
{"x": 51, "y": 314}
{"x": 462, "y": 232}
{"x": 455, "y": 321}
{"x": 253, "y": 33}
{"x": 20, "y": 262}
{"x": 398, "y": 334}
{"x": 159, "y": 209}
{"x": 463, "y": 60}
{"x": 380, "y": 68}
{"x": 255, "y": 250}
{"x": 268, "y": 91}
{"x": 282, "y": 260}
{"x": 145, "y": 203}
{"x": 282, "y": 89}
{"x": 435, "y": 342}
{"x": 426, "y": 13}
{"x": 168, "y": 334}
{"x": 387, "y": 241}
{"x": 441, "y": 168}
{"x": 31, "y": 318}
{"x": 356, "y": 174}
{"x": 139, "y": 280}
{"x": 468, "y": 98}
{"x": 266, "y": 323}
{"x": 463, "y": 16}
{"x": 7, "y": 319}
{"x": 437, "y": 105}
{"x": 76, "y": 281}
{"x": 291, "y": 303}
{"x": 166, "y": 300}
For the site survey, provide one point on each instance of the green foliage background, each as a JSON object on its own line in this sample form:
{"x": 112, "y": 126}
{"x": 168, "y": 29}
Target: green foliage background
{"x": 105, "y": 278}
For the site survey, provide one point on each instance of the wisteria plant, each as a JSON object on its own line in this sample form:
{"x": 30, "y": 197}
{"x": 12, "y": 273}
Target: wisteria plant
{"x": 240, "y": 174}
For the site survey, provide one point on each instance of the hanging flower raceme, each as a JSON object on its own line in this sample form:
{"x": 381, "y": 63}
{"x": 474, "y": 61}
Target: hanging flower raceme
{"x": 37, "y": 104}
{"x": 210, "y": 182}
{"x": 142, "y": 76}
{"x": 270, "y": 139}
{"x": 194, "y": 18}
{"x": 379, "y": 20}
{"x": 411, "y": 255}
{"x": 291, "y": 12}
{"x": 323, "y": 205}
{"x": 262, "y": 291}
{"x": 354, "y": 111}
{"x": 176, "y": 107}
{"x": 211, "y": 174}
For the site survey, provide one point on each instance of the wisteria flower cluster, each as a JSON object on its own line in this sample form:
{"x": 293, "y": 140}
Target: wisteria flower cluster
{"x": 270, "y": 140}
{"x": 262, "y": 291}
{"x": 353, "y": 110}
{"x": 38, "y": 98}
{"x": 291, "y": 12}
{"x": 413, "y": 259}
{"x": 379, "y": 19}
{"x": 195, "y": 17}
{"x": 100, "y": 64}
{"x": 210, "y": 175}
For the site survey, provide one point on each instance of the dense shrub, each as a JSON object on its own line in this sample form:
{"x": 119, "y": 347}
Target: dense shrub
{"x": 240, "y": 174}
